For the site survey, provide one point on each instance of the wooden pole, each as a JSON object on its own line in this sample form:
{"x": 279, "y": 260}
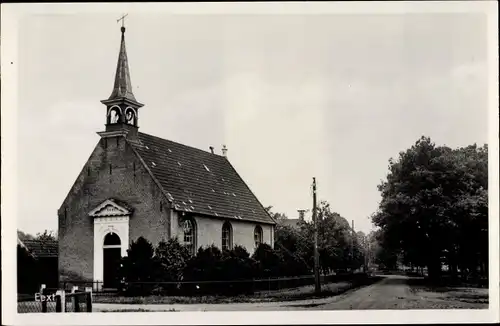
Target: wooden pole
{"x": 89, "y": 301}
{"x": 60, "y": 300}
{"x": 74, "y": 299}
{"x": 352, "y": 247}
{"x": 316, "y": 253}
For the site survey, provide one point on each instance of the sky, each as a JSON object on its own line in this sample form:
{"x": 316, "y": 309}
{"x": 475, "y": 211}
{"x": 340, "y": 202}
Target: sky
{"x": 331, "y": 96}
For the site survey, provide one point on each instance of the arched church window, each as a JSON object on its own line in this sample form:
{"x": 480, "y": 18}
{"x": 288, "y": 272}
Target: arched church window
{"x": 189, "y": 235}
{"x": 130, "y": 116}
{"x": 257, "y": 236}
{"x": 227, "y": 236}
{"x": 112, "y": 239}
{"x": 114, "y": 115}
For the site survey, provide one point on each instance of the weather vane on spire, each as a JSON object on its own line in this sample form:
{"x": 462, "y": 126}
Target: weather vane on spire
{"x": 122, "y": 18}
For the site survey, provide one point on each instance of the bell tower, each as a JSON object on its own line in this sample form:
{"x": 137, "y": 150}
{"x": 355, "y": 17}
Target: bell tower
{"x": 122, "y": 109}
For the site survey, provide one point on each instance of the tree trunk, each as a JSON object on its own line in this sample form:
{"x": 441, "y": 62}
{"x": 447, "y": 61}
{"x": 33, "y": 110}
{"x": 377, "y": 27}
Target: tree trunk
{"x": 434, "y": 269}
{"x": 452, "y": 265}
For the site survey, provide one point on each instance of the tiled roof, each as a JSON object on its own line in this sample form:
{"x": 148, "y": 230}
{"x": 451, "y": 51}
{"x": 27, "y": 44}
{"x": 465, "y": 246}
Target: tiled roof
{"x": 41, "y": 249}
{"x": 290, "y": 222}
{"x": 23, "y": 236}
{"x": 198, "y": 181}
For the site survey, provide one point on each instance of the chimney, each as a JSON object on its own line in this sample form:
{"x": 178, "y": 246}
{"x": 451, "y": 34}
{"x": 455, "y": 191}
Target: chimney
{"x": 211, "y": 149}
{"x": 301, "y": 214}
{"x": 224, "y": 150}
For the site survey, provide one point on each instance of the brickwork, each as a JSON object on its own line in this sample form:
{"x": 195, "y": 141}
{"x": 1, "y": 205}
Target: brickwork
{"x": 112, "y": 171}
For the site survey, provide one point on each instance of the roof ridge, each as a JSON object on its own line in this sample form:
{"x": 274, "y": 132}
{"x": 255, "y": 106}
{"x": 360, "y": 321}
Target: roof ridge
{"x": 183, "y": 145}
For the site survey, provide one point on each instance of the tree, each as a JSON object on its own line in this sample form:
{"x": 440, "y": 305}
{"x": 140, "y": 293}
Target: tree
{"x": 339, "y": 246}
{"x": 286, "y": 244}
{"x": 46, "y": 236}
{"x": 434, "y": 206}
{"x": 276, "y": 216}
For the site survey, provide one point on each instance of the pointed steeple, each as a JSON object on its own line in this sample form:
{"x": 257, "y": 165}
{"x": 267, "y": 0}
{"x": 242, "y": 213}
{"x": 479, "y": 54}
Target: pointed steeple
{"x": 123, "y": 86}
{"x": 122, "y": 109}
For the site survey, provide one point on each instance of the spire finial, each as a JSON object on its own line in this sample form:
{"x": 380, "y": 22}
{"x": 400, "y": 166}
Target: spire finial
{"x": 122, "y": 18}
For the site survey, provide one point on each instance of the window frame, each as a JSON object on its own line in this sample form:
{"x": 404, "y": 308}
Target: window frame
{"x": 227, "y": 234}
{"x": 258, "y": 232}
{"x": 192, "y": 235}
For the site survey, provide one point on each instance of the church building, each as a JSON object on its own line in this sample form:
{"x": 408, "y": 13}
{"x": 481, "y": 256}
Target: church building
{"x": 135, "y": 184}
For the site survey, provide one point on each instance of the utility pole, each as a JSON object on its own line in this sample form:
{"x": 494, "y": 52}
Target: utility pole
{"x": 352, "y": 246}
{"x": 316, "y": 253}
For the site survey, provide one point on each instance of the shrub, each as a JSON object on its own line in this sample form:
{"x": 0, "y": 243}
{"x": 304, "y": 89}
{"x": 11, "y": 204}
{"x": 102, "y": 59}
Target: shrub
{"x": 228, "y": 269}
{"x": 171, "y": 259}
{"x": 268, "y": 261}
{"x": 138, "y": 267}
{"x": 236, "y": 265}
{"x": 205, "y": 266}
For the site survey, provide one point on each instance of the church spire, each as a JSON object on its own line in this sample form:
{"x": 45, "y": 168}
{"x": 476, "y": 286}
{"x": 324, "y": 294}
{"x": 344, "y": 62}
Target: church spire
{"x": 123, "y": 86}
{"x": 122, "y": 109}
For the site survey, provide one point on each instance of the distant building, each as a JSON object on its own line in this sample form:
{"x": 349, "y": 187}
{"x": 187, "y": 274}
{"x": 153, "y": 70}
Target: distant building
{"x": 135, "y": 184}
{"x": 40, "y": 249}
{"x": 43, "y": 265}
{"x": 294, "y": 223}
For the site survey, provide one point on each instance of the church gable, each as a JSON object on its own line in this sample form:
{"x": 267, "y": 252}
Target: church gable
{"x": 110, "y": 207}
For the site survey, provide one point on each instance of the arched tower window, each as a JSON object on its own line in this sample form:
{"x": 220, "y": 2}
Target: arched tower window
{"x": 114, "y": 114}
{"x": 131, "y": 116}
{"x": 257, "y": 236}
{"x": 227, "y": 236}
{"x": 189, "y": 230}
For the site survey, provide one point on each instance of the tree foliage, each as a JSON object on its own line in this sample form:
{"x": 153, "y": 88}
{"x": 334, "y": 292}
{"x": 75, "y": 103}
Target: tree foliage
{"x": 138, "y": 267}
{"x": 339, "y": 247}
{"x": 211, "y": 270}
{"x": 434, "y": 207}
{"x": 46, "y": 236}
{"x": 288, "y": 246}
{"x": 268, "y": 261}
{"x": 171, "y": 259}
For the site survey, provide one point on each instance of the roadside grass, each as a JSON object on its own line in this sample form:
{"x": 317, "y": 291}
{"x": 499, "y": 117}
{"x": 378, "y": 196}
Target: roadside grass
{"x": 450, "y": 296}
{"x": 135, "y": 310}
{"x": 290, "y": 294}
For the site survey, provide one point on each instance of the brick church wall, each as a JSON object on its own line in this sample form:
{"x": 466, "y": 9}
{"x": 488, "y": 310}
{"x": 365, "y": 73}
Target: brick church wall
{"x": 112, "y": 171}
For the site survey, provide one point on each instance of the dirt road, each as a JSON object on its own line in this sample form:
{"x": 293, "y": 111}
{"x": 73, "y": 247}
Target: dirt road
{"x": 392, "y": 292}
